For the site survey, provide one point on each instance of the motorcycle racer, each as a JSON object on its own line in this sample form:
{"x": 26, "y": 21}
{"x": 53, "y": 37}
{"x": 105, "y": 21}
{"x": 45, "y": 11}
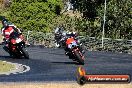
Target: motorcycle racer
{"x": 7, "y": 31}
{"x": 63, "y": 37}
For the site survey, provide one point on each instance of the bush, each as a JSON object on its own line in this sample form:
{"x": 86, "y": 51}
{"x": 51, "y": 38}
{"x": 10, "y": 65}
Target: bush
{"x": 34, "y": 14}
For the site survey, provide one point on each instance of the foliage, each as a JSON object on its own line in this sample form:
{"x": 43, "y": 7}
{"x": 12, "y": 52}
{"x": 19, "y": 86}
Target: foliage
{"x": 44, "y": 15}
{"x": 86, "y": 7}
{"x": 35, "y": 15}
{"x": 118, "y": 19}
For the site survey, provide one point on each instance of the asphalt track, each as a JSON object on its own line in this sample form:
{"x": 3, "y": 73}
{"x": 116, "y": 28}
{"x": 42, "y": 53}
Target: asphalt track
{"x": 49, "y": 64}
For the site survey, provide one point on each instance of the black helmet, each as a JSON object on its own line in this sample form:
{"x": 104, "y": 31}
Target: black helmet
{"x": 4, "y": 22}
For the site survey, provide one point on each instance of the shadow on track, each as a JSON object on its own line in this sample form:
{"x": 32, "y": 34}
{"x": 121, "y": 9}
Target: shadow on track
{"x": 75, "y": 63}
{"x": 4, "y": 57}
{"x": 9, "y": 57}
{"x": 42, "y": 49}
{"x": 55, "y": 53}
{"x": 49, "y": 52}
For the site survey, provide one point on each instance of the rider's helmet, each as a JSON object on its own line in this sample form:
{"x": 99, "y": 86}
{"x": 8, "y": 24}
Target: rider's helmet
{"x": 58, "y": 33}
{"x": 58, "y": 30}
{"x": 64, "y": 34}
{"x": 75, "y": 33}
{"x": 4, "y": 22}
{"x": 72, "y": 34}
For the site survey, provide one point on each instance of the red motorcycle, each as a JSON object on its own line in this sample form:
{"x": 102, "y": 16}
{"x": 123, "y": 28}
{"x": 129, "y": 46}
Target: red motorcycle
{"x": 74, "y": 50}
{"x": 17, "y": 46}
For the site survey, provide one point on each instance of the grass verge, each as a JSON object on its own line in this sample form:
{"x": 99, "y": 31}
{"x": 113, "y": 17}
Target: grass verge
{"x": 5, "y": 67}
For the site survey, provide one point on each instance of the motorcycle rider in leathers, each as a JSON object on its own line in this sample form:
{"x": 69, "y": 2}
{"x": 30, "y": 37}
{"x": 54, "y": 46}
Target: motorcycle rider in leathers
{"x": 64, "y": 36}
{"x": 7, "y": 30}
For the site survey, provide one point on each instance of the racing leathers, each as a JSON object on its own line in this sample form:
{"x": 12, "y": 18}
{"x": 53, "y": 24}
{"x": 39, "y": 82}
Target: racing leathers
{"x": 6, "y": 32}
{"x": 64, "y": 38}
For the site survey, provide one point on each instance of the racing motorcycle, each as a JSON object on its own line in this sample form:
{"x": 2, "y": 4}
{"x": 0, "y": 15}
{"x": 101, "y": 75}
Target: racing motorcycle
{"x": 74, "y": 51}
{"x": 17, "y": 46}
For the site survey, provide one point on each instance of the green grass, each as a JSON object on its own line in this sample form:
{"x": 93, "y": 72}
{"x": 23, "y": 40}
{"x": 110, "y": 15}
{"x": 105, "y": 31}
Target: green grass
{"x": 5, "y": 67}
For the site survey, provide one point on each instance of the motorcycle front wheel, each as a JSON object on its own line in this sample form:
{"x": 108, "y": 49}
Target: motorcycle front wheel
{"x": 25, "y": 53}
{"x": 79, "y": 57}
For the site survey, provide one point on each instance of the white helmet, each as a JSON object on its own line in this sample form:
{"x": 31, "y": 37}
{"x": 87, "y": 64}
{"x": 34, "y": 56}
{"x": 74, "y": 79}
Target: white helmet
{"x": 64, "y": 33}
{"x": 69, "y": 32}
{"x": 74, "y": 32}
{"x": 57, "y": 30}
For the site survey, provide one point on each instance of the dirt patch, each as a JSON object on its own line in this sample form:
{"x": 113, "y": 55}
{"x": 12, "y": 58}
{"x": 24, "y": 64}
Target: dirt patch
{"x": 62, "y": 85}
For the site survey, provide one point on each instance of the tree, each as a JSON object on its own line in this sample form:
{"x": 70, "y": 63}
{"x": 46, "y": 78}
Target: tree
{"x": 118, "y": 19}
{"x": 87, "y": 7}
{"x": 34, "y": 15}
